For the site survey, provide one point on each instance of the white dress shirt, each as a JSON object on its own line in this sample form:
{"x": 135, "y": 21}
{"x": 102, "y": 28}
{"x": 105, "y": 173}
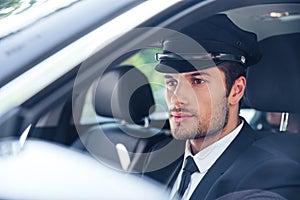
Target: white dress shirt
{"x": 204, "y": 161}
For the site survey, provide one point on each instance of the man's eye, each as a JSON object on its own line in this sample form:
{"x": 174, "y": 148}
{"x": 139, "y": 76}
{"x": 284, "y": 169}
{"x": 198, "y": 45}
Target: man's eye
{"x": 171, "y": 83}
{"x": 197, "y": 81}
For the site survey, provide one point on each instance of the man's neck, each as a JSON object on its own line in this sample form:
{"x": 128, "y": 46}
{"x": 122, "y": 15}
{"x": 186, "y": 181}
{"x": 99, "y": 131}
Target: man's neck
{"x": 196, "y": 145}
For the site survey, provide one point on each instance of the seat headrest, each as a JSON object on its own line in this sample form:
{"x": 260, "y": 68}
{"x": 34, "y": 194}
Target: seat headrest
{"x": 273, "y": 84}
{"x": 123, "y": 92}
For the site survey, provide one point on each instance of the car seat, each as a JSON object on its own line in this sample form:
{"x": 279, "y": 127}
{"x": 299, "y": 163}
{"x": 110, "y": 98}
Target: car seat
{"x": 273, "y": 86}
{"x": 124, "y": 95}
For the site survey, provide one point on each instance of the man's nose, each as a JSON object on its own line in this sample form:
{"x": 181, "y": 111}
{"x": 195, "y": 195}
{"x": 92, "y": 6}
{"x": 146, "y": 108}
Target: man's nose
{"x": 180, "y": 95}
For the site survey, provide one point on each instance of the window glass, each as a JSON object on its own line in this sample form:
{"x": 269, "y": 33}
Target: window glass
{"x": 17, "y": 14}
{"x": 88, "y": 115}
{"x": 145, "y": 61}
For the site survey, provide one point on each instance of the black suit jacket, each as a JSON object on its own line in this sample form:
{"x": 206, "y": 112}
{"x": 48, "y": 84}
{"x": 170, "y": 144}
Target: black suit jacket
{"x": 254, "y": 160}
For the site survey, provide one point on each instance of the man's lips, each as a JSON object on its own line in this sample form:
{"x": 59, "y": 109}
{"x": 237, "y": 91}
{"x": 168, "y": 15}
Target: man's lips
{"x": 180, "y": 116}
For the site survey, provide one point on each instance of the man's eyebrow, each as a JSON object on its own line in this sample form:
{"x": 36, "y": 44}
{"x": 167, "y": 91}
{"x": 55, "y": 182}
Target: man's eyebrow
{"x": 199, "y": 74}
{"x": 167, "y": 76}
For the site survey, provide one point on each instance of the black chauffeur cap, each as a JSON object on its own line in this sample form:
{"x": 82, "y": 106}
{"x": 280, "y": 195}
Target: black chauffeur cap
{"x": 220, "y": 40}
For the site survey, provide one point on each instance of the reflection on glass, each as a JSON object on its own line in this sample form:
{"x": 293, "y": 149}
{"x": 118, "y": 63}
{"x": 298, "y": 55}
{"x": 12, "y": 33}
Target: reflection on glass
{"x": 11, "y": 7}
{"x": 18, "y": 14}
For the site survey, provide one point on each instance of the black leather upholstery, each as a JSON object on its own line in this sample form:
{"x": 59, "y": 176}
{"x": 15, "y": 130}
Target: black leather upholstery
{"x": 273, "y": 84}
{"x": 124, "y": 93}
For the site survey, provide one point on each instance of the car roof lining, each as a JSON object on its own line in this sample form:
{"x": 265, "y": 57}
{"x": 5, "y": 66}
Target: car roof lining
{"x": 252, "y": 17}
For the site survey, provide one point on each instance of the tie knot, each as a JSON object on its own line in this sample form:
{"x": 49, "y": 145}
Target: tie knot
{"x": 190, "y": 165}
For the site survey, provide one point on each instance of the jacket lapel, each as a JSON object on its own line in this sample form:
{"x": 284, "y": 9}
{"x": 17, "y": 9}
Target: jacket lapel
{"x": 244, "y": 139}
{"x": 168, "y": 174}
{"x": 173, "y": 172}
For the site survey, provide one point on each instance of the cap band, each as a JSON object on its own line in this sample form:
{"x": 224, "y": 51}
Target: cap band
{"x": 203, "y": 56}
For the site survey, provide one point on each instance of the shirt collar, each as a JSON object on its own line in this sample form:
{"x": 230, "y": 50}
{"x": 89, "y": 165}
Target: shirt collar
{"x": 207, "y": 157}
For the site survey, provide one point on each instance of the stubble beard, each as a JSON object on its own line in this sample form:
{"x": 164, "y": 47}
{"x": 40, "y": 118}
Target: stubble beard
{"x": 203, "y": 127}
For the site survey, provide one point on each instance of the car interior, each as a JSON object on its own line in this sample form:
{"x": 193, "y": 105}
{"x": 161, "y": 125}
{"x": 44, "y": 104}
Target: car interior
{"x": 124, "y": 96}
{"x": 272, "y": 83}
{"x": 110, "y": 111}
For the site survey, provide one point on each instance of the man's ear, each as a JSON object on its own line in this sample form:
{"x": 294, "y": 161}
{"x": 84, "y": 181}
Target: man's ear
{"x": 237, "y": 91}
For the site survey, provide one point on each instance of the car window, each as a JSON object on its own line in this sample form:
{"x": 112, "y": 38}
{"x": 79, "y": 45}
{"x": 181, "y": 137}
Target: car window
{"x": 145, "y": 61}
{"x": 51, "y": 64}
{"x": 88, "y": 115}
{"x": 16, "y": 14}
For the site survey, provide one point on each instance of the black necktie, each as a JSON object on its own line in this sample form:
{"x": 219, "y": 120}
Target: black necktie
{"x": 188, "y": 170}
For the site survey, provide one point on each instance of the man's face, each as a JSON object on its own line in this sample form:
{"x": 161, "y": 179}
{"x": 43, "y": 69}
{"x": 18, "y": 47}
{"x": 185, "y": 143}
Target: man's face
{"x": 197, "y": 103}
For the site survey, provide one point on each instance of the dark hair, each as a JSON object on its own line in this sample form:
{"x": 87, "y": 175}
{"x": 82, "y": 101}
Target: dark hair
{"x": 232, "y": 71}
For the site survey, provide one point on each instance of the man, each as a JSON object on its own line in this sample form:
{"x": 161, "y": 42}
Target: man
{"x": 222, "y": 154}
